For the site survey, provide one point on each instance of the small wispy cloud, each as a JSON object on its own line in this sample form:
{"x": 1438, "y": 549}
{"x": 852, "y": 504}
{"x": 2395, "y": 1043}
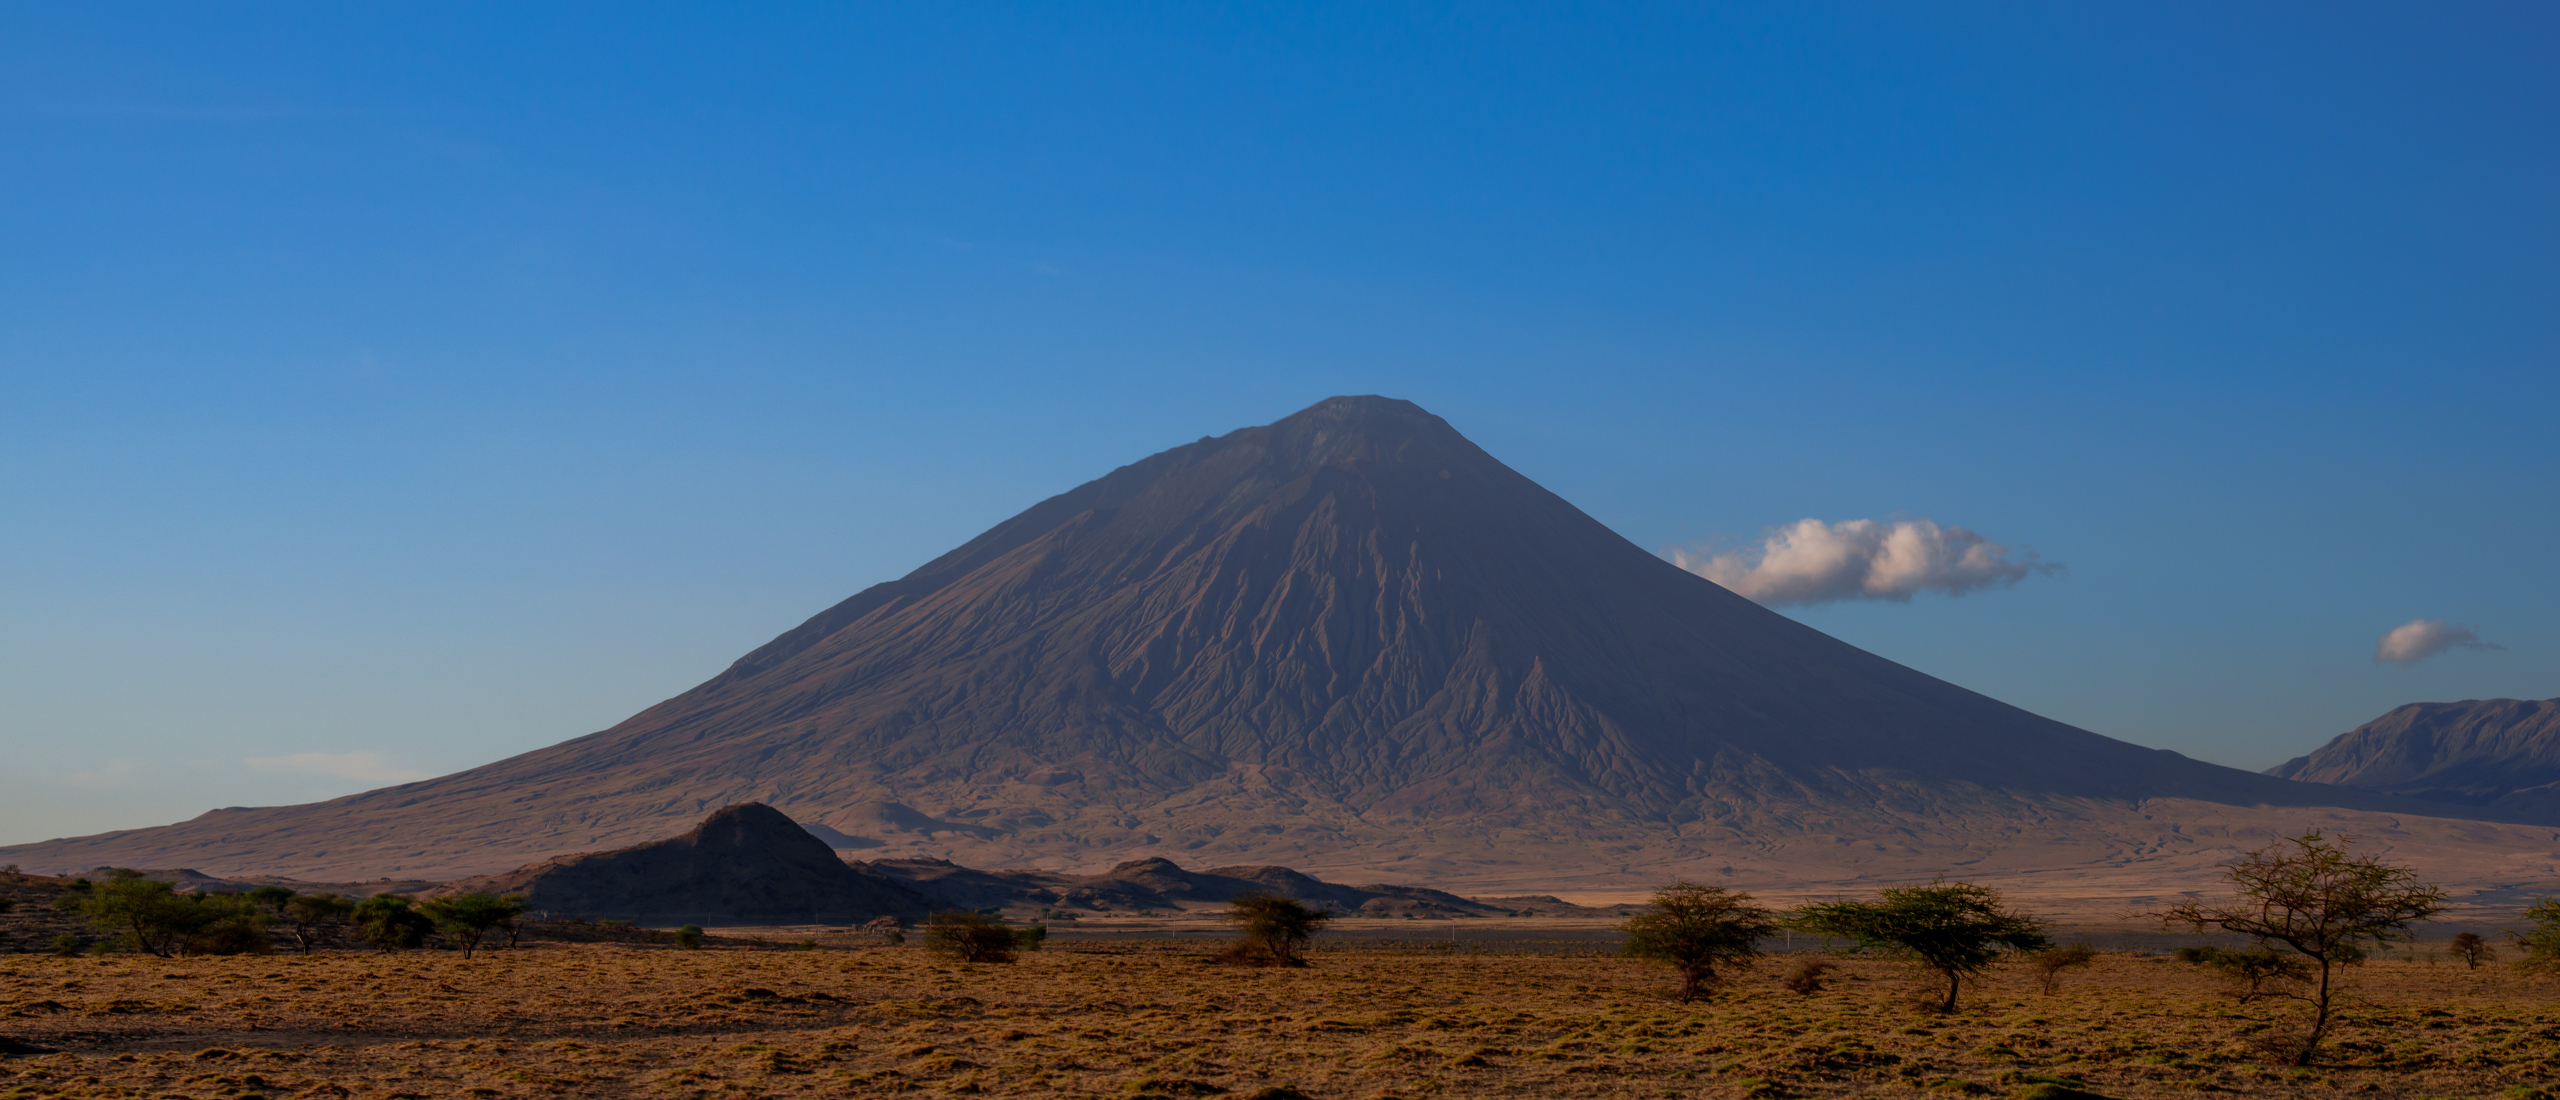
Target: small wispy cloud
{"x": 1812, "y": 562}
{"x": 2419, "y": 639}
{"x": 114, "y": 774}
{"x": 363, "y": 767}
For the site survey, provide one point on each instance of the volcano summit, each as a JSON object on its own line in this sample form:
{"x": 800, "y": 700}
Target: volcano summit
{"x": 1350, "y": 640}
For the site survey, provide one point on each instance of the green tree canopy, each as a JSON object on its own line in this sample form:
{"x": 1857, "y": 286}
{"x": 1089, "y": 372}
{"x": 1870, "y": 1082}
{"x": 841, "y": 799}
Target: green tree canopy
{"x": 1276, "y": 928}
{"x": 1954, "y": 928}
{"x": 154, "y": 917}
{"x": 388, "y": 922}
{"x": 306, "y": 914}
{"x": 1696, "y": 929}
{"x": 469, "y": 918}
{"x": 971, "y": 937}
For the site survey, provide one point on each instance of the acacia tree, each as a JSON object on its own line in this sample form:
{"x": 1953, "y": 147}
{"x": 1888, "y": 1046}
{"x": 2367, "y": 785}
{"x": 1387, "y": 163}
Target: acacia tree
{"x": 2308, "y": 893}
{"x": 1275, "y": 927}
{"x": 389, "y": 923}
{"x": 306, "y": 914}
{"x": 971, "y": 937}
{"x": 469, "y": 918}
{"x": 1954, "y": 928}
{"x": 1697, "y": 928}
{"x": 148, "y": 914}
{"x": 2471, "y": 949}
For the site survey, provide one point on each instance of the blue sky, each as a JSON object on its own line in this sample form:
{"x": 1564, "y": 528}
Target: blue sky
{"x": 388, "y": 390}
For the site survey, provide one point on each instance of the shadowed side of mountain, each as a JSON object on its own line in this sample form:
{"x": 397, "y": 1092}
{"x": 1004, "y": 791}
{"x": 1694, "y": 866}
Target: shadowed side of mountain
{"x": 2501, "y": 755}
{"x": 745, "y": 864}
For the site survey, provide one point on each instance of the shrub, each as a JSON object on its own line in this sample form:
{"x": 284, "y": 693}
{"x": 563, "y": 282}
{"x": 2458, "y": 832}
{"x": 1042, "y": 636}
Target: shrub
{"x": 469, "y": 918}
{"x": 1697, "y": 928}
{"x": 971, "y": 937}
{"x": 1275, "y": 929}
{"x": 273, "y": 899}
{"x": 387, "y": 922}
{"x": 229, "y": 924}
{"x": 2260, "y": 971}
{"x": 1031, "y": 938}
{"x": 1807, "y": 976}
{"x": 1954, "y": 928}
{"x": 689, "y": 937}
{"x": 2047, "y": 965}
{"x": 306, "y": 914}
{"x": 67, "y": 945}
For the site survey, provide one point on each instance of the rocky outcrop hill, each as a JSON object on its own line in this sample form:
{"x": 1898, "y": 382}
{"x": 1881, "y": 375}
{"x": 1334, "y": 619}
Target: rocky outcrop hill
{"x": 745, "y": 864}
{"x": 1158, "y": 885}
{"x": 2500, "y": 754}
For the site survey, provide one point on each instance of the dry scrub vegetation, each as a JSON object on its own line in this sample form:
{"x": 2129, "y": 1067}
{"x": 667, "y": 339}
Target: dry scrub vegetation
{"x": 607, "y": 1020}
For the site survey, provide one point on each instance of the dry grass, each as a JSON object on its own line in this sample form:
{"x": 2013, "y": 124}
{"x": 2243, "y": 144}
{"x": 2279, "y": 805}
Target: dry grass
{"x": 605, "y": 1020}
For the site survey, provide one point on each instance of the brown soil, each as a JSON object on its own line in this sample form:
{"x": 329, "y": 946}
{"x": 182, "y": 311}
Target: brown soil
{"x": 610, "y": 1021}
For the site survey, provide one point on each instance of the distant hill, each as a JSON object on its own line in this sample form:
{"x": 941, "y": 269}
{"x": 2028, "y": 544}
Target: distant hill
{"x": 1350, "y": 642}
{"x": 1159, "y": 884}
{"x": 2496, "y": 754}
{"x": 745, "y": 864}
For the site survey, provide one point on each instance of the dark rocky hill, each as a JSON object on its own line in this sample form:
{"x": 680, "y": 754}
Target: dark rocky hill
{"x": 745, "y": 864}
{"x": 1350, "y": 641}
{"x": 1159, "y": 885}
{"x": 2498, "y": 754}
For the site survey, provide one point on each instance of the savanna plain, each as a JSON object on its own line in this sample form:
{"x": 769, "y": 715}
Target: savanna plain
{"x": 1137, "y": 1019}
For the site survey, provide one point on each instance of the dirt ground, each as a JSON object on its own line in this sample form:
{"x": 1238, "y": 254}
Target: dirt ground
{"x": 1129, "y": 1020}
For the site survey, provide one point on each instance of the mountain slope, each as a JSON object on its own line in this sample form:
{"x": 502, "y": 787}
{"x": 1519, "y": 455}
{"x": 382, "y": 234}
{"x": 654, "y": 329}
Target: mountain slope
{"x": 1347, "y": 641}
{"x": 2497, "y": 754}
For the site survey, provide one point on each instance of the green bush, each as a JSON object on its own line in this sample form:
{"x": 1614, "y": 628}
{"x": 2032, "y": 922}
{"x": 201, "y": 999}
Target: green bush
{"x": 689, "y": 937}
{"x": 469, "y": 918}
{"x": 1030, "y": 939}
{"x": 1954, "y": 928}
{"x": 1277, "y": 929}
{"x": 389, "y": 923}
{"x": 2261, "y": 971}
{"x": 156, "y": 918}
{"x": 2048, "y": 964}
{"x": 971, "y": 937}
{"x": 305, "y": 915}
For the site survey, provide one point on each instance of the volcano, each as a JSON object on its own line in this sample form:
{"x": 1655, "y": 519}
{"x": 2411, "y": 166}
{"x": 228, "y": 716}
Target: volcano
{"x": 1350, "y": 640}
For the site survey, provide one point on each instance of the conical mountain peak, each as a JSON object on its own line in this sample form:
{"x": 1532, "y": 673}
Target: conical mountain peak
{"x": 1343, "y": 639}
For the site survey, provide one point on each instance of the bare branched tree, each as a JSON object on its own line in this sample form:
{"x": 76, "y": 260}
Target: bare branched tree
{"x": 2309, "y": 894}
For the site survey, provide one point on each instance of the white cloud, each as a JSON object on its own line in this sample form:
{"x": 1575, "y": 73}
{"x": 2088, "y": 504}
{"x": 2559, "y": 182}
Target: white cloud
{"x": 1810, "y": 562}
{"x": 2419, "y": 639}
{"x": 113, "y": 775}
{"x": 363, "y": 767}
